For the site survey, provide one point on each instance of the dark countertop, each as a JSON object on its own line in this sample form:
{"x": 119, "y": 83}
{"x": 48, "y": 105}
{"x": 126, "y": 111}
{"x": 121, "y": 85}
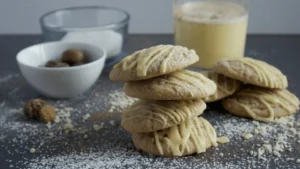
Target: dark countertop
{"x": 280, "y": 51}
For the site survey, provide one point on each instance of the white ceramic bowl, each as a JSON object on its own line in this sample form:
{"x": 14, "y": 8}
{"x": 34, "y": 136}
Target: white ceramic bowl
{"x": 60, "y": 82}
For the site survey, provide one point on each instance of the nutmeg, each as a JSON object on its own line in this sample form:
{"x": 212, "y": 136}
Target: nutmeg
{"x": 39, "y": 109}
{"x": 32, "y": 108}
{"x": 73, "y": 56}
{"x": 47, "y": 113}
{"x": 52, "y": 63}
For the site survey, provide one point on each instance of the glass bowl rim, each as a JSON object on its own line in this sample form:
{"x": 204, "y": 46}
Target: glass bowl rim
{"x": 119, "y": 23}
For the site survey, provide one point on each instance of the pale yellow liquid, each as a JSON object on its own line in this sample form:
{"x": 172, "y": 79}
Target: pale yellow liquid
{"x": 215, "y": 30}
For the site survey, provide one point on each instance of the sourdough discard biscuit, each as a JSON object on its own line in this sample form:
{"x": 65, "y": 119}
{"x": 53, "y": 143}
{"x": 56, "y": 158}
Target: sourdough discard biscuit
{"x": 147, "y": 116}
{"x": 192, "y": 136}
{"x": 262, "y": 104}
{"x": 180, "y": 85}
{"x": 226, "y": 86}
{"x": 152, "y": 62}
{"x": 252, "y": 71}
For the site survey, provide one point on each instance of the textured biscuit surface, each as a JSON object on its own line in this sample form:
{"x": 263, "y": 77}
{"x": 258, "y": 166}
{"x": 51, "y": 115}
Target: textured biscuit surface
{"x": 261, "y": 104}
{"x": 226, "y": 86}
{"x": 152, "y": 62}
{"x": 147, "y": 116}
{"x": 192, "y": 136}
{"x": 180, "y": 85}
{"x": 252, "y": 71}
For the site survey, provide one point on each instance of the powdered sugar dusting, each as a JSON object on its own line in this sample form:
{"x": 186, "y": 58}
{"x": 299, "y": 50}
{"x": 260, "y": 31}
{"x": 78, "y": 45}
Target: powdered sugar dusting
{"x": 118, "y": 101}
{"x": 104, "y": 144}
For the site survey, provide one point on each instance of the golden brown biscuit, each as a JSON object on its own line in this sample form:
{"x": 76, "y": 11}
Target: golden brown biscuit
{"x": 151, "y": 62}
{"x": 147, "y": 116}
{"x": 180, "y": 85}
{"x": 192, "y": 136}
{"x": 226, "y": 86}
{"x": 262, "y": 104}
{"x": 252, "y": 71}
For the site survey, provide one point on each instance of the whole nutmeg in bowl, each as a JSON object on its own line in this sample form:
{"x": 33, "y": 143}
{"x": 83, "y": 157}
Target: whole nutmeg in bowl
{"x": 52, "y": 63}
{"x": 73, "y": 56}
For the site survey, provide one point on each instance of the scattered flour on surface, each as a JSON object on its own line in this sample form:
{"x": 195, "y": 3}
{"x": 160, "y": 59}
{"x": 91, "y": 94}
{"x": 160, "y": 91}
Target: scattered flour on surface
{"x": 118, "y": 101}
{"x": 88, "y": 145}
{"x": 9, "y": 77}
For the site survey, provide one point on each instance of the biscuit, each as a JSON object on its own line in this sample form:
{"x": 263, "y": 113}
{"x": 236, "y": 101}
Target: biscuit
{"x": 151, "y": 62}
{"x": 261, "y": 104}
{"x": 147, "y": 116}
{"x": 226, "y": 86}
{"x": 180, "y": 85}
{"x": 252, "y": 71}
{"x": 192, "y": 136}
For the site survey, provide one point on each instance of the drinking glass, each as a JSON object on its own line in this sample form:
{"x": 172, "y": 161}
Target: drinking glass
{"x": 215, "y": 29}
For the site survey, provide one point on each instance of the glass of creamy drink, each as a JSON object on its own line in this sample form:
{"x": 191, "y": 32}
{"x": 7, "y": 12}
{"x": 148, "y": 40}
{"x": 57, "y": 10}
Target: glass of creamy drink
{"x": 215, "y": 29}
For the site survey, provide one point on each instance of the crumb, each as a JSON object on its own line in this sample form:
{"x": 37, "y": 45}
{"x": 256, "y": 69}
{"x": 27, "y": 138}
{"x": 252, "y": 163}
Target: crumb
{"x": 260, "y": 152}
{"x": 268, "y": 147}
{"x": 290, "y": 124}
{"x": 256, "y": 123}
{"x": 85, "y": 136}
{"x": 68, "y": 127}
{"x": 221, "y": 154}
{"x": 83, "y": 131}
{"x": 51, "y": 134}
{"x": 298, "y": 160}
{"x": 112, "y": 122}
{"x": 253, "y": 153}
{"x": 32, "y": 150}
{"x": 223, "y": 140}
{"x": 49, "y": 125}
{"x": 290, "y": 159}
{"x": 262, "y": 130}
{"x": 118, "y": 101}
{"x": 97, "y": 127}
{"x": 68, "y": 120}
{"x": 85, "y": 117}
{"x": 293, "y": 130}
{"x": 2, "y": 104}
{"x": 68, "y": 109}
{"x": 248, "y": 136}
{"x": 276, "y": 153}
{"x": 277, "y": 147}
{"x": 255, "y": 131}
{"x": 57, "y": 119}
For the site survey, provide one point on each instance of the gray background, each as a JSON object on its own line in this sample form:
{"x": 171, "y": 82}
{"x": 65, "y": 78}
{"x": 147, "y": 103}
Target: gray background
{"x": 148, "y": 16}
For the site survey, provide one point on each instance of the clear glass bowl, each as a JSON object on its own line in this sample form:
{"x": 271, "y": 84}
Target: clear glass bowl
{"x": 105, "y": 27}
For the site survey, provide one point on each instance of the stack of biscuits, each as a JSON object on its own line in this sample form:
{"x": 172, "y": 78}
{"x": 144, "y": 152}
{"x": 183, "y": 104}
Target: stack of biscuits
{"x": 164, "y": 121}
{"x": 258, "y": 89}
